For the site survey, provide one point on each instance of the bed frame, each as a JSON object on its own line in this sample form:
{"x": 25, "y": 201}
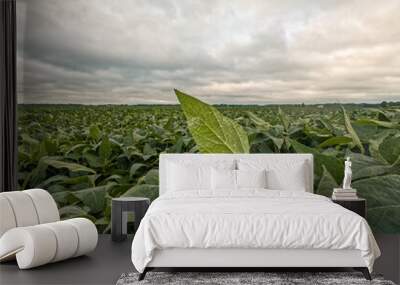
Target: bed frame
{"x": 249, "y": 259}
{"x": 246, "y": 259}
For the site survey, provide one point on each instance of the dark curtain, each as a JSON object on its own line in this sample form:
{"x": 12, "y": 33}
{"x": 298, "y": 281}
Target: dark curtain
{"x": 8, "y": 97}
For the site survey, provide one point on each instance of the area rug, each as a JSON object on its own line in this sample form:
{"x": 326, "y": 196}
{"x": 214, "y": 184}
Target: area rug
{"x": 269, "y": 278}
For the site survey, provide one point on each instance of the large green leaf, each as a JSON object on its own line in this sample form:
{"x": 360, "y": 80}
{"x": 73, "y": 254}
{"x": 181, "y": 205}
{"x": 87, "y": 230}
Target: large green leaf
{"x": 351, "y": 131}
{"x": 383, "y": 200}
{"x": 73, "y": 167}
{"x": 93, "y": 198}
{"x": 326, "y": 184}
{"x": 373, "y": 170}
{"x": 390, "y": 148}
{"x": 375, "y": 143}
{"x": 212, "y": 131}
{"x": 385, "y": 219}
{"x": 364, "y": 166}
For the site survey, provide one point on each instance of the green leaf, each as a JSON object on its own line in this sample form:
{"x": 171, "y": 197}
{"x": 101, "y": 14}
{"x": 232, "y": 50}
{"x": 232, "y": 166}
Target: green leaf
{"x": 374, "y": 145}
{"x": 372, "y": 171}
{"x": 142, "y": 190}
{"x": 390, "y": 148}
{"x": 102, "y": 221}
{"x": 258, "y": 121}
{"x": 93, "y": 160}
{"x": 335, "y": 141}
{"x": 301, "y": 148}
{"x": 278, "y": 142}
{"x": 326, "y": 184}
{"x": 94, "y": 198}
{"x": 114, "y": 177}
{"x": 37, "y": 175}
{"x": 328, "y": 126}
{"x": 351, "y": 131}
{"x": 383, "y": 197}
{"x": 135, "y": 168}
{"x": 383, "y": 124}
{"x": 73, "y": 167}
{"x": 94, "y": 132}
{"x": 334, "y": 166}
{"x": 69, "y": 212}
{"x": 50, "y": 180}
{"x": 63, "y": 198}
{"x": 283, "y": 118}
{"x": 55, "y": 188}
{"x": 29, "y": 140}
{"x": 105, "y": 149}
{"x": 148, "y": 150}
{"x": 83, "y": 179}
{"x": 76, "y": 147}
{"x": 151, "y": 177}
{"x": 384, "y": 219}
{"x": 366, "y": 166}
{"x": 212, "y": 131}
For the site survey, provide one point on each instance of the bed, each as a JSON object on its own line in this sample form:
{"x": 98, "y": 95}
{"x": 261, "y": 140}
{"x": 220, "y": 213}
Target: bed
{"x": 247, "y": 210}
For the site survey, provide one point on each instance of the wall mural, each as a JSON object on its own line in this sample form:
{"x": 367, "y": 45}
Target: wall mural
{"x": 97, "y": 98}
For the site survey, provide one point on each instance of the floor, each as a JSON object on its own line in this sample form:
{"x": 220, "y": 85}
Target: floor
{"x": 103, "y": 266}
{"x": 111, "y": 259}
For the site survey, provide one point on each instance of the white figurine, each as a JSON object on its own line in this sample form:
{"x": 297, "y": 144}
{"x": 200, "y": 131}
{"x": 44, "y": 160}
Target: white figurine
{"x": 347, "y": 174}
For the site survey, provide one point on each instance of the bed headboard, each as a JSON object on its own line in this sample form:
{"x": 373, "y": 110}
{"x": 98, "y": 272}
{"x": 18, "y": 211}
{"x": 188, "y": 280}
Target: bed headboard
{"x": 166, "y": 158}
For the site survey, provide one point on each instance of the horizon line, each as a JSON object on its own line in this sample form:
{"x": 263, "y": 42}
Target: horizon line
{"x": 219, "y": 104}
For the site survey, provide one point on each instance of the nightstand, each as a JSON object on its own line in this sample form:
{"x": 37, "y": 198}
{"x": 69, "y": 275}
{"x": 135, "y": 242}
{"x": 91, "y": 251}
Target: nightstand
{"x": 119, "y": 214}
{"x": 357, "y": 205}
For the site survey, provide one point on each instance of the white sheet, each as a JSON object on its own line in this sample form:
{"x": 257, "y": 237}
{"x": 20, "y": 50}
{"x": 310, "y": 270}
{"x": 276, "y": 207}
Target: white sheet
{"x": 250, "y": 219}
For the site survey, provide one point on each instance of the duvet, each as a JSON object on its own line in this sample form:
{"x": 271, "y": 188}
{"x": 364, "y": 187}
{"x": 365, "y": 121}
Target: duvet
{"x": 250, "y": 219}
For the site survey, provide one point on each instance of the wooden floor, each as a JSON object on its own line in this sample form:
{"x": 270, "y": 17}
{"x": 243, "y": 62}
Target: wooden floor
{"x": 103, "y": 266}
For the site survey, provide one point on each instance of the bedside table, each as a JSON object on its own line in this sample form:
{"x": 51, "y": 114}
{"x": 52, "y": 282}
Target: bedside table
{"x": 357, "y": 205}
{"x": 119, "y": 214}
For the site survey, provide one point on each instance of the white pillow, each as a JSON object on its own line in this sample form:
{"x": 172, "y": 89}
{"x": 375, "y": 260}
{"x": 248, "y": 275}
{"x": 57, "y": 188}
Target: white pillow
{"x": 223, "y": 179}
{"x": 294, "y": 180}
{"x": 281, "y": 174}
{"x": 186, "y": 174}
{"x": 230, "y": 180}
{"x": 183, "y": 178}
{"x": 251, "y": 178}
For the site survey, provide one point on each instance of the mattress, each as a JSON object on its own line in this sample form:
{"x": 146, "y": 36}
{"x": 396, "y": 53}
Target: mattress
{"x": 251, "y": 219}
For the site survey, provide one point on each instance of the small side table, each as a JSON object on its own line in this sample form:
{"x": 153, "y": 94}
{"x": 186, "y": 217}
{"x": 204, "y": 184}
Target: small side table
{"x": 119, "y": 214}
{"x": 357, "y": 205}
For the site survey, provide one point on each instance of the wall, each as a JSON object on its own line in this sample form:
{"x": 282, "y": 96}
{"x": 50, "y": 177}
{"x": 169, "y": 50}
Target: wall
{"x": 95, "y": 86}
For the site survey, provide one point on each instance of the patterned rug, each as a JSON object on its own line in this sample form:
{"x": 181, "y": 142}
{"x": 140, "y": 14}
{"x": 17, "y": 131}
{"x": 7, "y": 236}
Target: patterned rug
{"x": 269, "y": 278}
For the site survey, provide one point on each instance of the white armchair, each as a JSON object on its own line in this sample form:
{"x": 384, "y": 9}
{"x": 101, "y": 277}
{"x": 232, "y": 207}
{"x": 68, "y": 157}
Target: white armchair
{"x": 31, "y": 230}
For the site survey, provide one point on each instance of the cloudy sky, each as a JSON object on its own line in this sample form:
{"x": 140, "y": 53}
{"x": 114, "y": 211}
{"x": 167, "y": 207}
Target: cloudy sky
{"x": 238, "y": 52}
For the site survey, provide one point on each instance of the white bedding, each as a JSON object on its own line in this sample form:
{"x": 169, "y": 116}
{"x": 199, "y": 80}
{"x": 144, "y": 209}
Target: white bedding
{"x": 250, "y": 219}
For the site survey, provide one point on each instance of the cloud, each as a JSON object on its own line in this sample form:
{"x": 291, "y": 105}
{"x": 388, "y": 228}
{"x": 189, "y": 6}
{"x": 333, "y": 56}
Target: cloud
{"x": 238, "y": 52}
